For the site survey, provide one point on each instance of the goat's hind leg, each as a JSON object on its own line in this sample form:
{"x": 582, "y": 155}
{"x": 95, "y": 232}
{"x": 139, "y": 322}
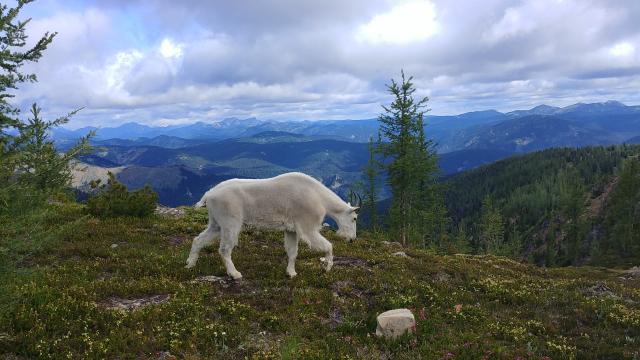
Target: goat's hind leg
{"x": 228, "y": 240}
{"x": 291, "y": 246}
{"x": 204, "y": 239}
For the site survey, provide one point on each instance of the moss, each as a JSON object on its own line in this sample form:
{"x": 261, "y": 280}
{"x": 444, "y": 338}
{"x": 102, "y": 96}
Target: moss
{"x": 60, "y": 268}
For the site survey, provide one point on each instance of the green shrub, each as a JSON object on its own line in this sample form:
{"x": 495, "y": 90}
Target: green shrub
{"x": 116, "y": 200}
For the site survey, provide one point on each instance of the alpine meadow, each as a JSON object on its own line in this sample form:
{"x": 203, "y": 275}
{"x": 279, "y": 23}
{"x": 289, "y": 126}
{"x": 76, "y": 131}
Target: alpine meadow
{"x": 406, "y": 179}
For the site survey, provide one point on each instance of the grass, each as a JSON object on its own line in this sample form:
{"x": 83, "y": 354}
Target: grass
{"x": 59, "y": 270}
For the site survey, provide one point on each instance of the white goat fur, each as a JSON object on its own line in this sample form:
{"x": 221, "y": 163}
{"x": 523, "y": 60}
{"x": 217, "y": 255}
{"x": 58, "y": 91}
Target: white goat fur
{"x": 293, "y": 202}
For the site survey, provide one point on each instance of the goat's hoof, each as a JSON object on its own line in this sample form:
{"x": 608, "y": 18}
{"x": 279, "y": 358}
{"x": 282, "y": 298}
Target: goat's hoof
{"x": 236, "y": 275}
{"x": 328, "y": 267}
{"x": 190, "y": 264}
{"x": 292, "y": 274}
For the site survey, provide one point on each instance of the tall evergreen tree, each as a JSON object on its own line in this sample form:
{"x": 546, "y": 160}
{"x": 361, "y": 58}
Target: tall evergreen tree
{"x": 410, "y": 164}
{"x": 12, "y": 57}
{"x": 30, "y": 165}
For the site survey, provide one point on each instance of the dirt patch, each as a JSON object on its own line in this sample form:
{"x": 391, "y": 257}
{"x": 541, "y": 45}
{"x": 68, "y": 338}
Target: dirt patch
{"x": 115, "y": 303}
{"x": 346, "y": 261}
{"x": 26, "y": 262}
{"x": 347, "y": 289}
{"x": 224, "y": 282}
{"x": 177, "y": 240}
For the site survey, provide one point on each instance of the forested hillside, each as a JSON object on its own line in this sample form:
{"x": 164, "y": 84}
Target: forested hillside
{"x": 554, "y": 207}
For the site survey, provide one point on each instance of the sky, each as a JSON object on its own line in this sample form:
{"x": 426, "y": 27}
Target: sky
{"x": 162, "y": 62}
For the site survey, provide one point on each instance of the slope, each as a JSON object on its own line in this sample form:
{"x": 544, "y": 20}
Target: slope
{"x": 547, "y": 201}
{"x": 78, "y": 286}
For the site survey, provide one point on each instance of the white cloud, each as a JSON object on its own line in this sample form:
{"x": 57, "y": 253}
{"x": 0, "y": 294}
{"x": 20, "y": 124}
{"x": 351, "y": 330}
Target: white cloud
{"x": 406, "y": 23}
{"x": 117, "y": 70}
{"x": 622, "y": 49}
{"x": 170, "y": 50}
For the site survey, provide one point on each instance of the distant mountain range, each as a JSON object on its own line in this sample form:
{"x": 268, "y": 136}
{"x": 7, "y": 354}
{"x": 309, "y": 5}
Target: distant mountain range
{"x": 595, "y": 123}
{"x": 184, "y": 160}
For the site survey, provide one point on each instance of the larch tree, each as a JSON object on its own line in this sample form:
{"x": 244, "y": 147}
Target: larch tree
{"x": 410, "y": 163}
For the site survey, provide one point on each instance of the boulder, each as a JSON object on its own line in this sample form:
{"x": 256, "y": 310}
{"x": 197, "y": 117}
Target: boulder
{"x": 394, "y": 323}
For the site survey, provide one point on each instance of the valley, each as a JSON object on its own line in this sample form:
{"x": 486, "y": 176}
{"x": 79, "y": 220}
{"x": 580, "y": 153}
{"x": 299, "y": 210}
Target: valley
{"x": 183, "y": 161}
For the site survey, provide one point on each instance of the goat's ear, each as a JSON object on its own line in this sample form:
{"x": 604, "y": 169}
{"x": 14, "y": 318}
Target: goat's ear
{"x": 355, "y": 209}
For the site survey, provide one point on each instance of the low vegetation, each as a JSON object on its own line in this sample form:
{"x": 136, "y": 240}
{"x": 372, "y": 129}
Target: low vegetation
{"x": 114, "y": 199}
{"x": 74, "y": 285}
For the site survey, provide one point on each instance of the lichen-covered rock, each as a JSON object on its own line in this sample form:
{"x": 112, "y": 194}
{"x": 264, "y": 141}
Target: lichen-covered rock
{"x": 116, "y": 303}
{"x": 634, "y": 271}
{"x": 169, "y": 211}
{"x": 394, "y": 323}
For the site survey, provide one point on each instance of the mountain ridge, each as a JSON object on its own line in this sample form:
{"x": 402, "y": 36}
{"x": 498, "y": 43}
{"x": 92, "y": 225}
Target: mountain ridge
{"x": 235, "y": 127}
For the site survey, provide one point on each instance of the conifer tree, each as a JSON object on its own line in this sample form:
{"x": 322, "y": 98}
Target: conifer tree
{"x": 30, "y": 165}
{"x": 40, "y": 165}
{"x": 12, "y": 57}
{"x": 410, "y": 164}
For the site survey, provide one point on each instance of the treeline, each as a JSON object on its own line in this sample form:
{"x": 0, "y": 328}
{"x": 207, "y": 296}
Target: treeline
{"x": 554, "y": 207}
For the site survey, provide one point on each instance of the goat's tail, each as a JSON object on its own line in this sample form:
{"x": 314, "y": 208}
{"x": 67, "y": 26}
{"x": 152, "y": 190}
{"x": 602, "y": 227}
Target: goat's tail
{"x": 202, "y": 202}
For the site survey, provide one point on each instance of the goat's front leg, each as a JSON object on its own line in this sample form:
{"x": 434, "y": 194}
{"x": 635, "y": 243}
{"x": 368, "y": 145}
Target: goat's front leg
{"x": 291, "y": 246}
{"x": 318, "y": 242}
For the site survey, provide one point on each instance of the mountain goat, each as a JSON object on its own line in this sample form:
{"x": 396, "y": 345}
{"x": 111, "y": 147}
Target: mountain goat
{"x": 293, "y": 202}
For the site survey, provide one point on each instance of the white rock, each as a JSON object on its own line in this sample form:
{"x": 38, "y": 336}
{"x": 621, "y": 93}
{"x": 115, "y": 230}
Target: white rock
{"x": 394, "y": 323}
{"x": 113, "y": 246}
{"x": 393, "y": 243}
{"x": 401, "y": 254}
